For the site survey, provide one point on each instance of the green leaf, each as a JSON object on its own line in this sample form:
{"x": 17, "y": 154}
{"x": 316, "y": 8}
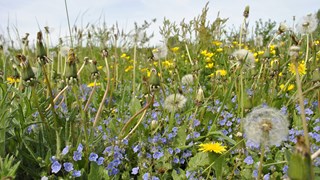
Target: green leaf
{"x": 181, "y": 136}
{"x": 299, "y": 167}
{"x": 201, "y": 159}
{"x": 97, "y": 172}
{"x": 181, "y": 176}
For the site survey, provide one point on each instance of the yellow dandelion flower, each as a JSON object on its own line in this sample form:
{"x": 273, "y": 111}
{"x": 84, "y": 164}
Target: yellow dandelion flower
{"x": 219, "y": 50}
{"x": 221, "y": 72}
{"x": 99, "y": 67}
{"x": 212, "y": 147}
{"x": 260, "y": 52}
{"x": 92, "y": 84}
{"x": 204, "y": 52}
{"x": 211, "y": 75}
{"x": 216, "y": 43}
{"x": 167, "y": 64}
{"x": 301, "y": 68}
{"x": 128, "y": 68}
{"x": 209, "y": 65}
{"x": 12, "y": 80}
{"x": 175, "y": 49}
{"x": 290, "y": 87}
{"x": 282, "y": 86}
{"x": 148, "y": 73}
{"x": 124, "y": 55}
{"x": 208, "y": 60}
{"x": 280, "y": 74}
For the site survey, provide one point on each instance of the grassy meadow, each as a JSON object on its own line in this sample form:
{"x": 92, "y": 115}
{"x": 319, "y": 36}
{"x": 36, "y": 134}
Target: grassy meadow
{"x": 209, "y": 102}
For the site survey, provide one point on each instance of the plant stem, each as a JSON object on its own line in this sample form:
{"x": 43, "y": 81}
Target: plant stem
{"x": 66, "y": 7}
{"x": 90, "y": 96}
{"x": 105, "y": 94}
{"x": 261, "y": 160}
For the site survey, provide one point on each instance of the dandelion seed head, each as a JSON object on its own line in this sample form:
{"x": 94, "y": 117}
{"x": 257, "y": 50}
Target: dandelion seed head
{"x": 175, "y": 102}
{"x": 244, "y": 57}
{"x": 160, "y": 52}
{"x": 307, "y": 24}
{"x": 267, "y": 125}
{"x": 187, "y": 79}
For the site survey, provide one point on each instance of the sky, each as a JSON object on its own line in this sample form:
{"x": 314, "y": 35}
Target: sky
{"x": 28, "y": 15}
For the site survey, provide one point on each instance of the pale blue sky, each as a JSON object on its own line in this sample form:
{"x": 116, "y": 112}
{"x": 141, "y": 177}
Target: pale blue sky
{"x": 24, "y": 13}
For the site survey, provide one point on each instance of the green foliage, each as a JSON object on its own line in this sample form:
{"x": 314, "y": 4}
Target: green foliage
{"x": 8, "y": 167}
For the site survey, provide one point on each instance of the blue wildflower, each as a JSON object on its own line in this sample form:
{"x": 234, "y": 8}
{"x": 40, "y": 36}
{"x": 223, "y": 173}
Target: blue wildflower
{"x": 77, "y": 156}
{"x": 170, "y": 150}
{"x": 68, "y": 166}
{"x": 248, "y": 160}
{"x": 155, "y": 178}
{"x": 93, "y": 157}
{"x": 135, "y": 170}
{"x": 65, "y": 150}
{"x": 76, "y": 173}
{"x": 80, "y": 148}
{"x": 157, "y": 155}
{"x": 285, "y": 169}
{"x": 100, "y": 161}
{"x": 176, "y": 160}
{"x": 55, "y": 167}
{"x": 255, "y": 173}
{"x": 145, "y": 176}
{"x": 266, "y": 176}
{"x": 113, "y": 171}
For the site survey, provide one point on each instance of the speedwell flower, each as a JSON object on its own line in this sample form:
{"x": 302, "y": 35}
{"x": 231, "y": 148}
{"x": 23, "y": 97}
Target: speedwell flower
{"x": 175, "y": 102}
{"x": 212, "y": 147}
{"x": 266, "y": 125}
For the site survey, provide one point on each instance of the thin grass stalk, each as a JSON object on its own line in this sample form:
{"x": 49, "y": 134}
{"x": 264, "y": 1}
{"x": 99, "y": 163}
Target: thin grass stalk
{"x": 135, "y": 115}
{"x": 96, "y": 119}
{"x": 261, "y": 160}
{"x": 68, "y": 19}
{"x": 303, "y": 115}
{"x": 90, "y": 96}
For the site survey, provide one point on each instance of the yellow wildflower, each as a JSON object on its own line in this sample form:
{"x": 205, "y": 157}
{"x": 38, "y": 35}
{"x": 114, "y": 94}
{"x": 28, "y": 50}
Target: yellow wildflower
{"x": 167, "y": 64}
{"x": 125, "y": 56}
{"x": 175, "y": 49}
{"x": 221, "y": 72}
{"x": 290, "y": 87}
{"x": 92, "y": 84}
{"x": 219, "y": 50}
{"x": 209, "y": 65}
{"x": 280, "y": 74}
{"x": 99, "y": 67}
{"x": 128, "y": 68}
{"x": 208, "y": 60}
{"x": 216, "y": 43}
{"x": 212, "y": 147}
{"x": 301, "y": 68}
{"x": 12, "y": 80}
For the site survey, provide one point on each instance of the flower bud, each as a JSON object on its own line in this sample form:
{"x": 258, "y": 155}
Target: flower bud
{"x": 200, "y": 95}
{"x": 246, "y": 11}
